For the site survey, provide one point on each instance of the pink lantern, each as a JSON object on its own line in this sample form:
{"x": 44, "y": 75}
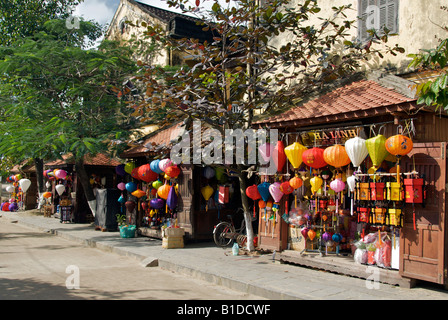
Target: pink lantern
{"x": 61, "y": 174}
{"x": 121, "y": 186}
{"x": 265, "y": 151}
{"x": 276, "y": 193}
{"x": 165, "y": 164}
{"x": 337, "y": 185}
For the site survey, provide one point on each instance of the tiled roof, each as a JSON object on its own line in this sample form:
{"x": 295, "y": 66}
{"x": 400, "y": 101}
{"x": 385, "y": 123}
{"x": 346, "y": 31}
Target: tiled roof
{"x": 356, "y": 100}
{"x": 162, "y": 14}
{"x": 98, "y": 160}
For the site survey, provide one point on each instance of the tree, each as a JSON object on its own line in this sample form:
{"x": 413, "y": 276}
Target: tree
{"x": 63, "y": 98}
{"x": 240, "y": 71}
{"x": 23, "y": 18}
{"x": 433, "y": 92}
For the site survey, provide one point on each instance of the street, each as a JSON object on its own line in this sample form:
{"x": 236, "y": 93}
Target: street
{"x": 36, "y": 265}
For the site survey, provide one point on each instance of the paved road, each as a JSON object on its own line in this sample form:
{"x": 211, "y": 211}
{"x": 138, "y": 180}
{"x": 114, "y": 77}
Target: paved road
{"x": 33, "y": 265}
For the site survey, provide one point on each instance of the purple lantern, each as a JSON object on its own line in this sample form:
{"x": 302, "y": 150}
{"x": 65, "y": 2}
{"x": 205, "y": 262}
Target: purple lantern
{"x": 157, "y": 203}
{"x": 120, "y": 170}
{"x": 326, "y": 236}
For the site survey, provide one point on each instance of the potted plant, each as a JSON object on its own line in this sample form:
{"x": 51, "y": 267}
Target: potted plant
{"x": 126, "y": 231}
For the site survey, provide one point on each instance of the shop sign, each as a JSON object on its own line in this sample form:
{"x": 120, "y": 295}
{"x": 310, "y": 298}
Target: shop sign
{"x": 328, "y": 137}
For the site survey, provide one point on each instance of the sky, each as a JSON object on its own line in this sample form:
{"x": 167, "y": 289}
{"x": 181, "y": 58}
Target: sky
{"x": 102, "y": 11}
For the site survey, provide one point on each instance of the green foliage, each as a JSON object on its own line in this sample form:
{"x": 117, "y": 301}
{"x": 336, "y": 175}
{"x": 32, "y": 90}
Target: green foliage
{"x": 23, "y": 18}
{"x": 433, "y": 92}
{"x": 59, "y": 97}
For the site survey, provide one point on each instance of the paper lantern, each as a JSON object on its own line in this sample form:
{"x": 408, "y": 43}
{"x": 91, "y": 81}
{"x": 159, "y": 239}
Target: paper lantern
{"x": 286, "y": 188}
{"x": 207, "y": 192}
{"x": 146, "y": 174}
{"x": 304, "y": 232}
{"x": 131, "y": 186}
{"x": 157, "y": 203}
{"x": 163, "y": 191}
{"x": 47, "y": 195}
{"x": 154, "y": 165}
{"x": 311, "y": 234}
{"x": 128, "y": 167}
{"x": 164, "y": 164}
{"x": 399, "y": 145}
{"x": 120, "y": 170}
{"x": 60, "y": 189}
{"x": 174, "y": 171}
{"x": 266, "y": 151}
{"x": 209, "y": 172}
{"x": 130, "y": 205}
{"x": 171, "y": 201}
{"x": 294, "y": 154}
{"x": 121, "y": 186}
{"x": 337, "y": 185}
{"x": 219, "y": 173}
{"x": 326, "y": 236}
{"x": 316, "y": 182}
{"x": 351, "y": 182}
{"x": 138, "y": 193}
{"x": 261, "y": 204}
{"x": 279, "y": 156}
{"x": 61, "y": 174}
{"x": 157, "y": 184}
{"x": 377, "y": 150}
{"x": 144, "y": 205}
{"x": 314, "y": 158}
{"x": 24, "y": 184}
{"x": 276, "y": 193}
{"x": 337, "y": 237}
{"x": 336, "y": 156}
{"x": 134, "y": 174}
{"x": 356, "y": 150}
{"x": 121, "y": 199}
{"x": 263, "y": 189}
{"x": 252, "y": 192}
{"x": 10, "y": 189}
{"x": 296, "y": 182}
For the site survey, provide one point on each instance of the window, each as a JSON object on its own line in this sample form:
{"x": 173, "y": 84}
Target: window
{"x": 377, "y": 14}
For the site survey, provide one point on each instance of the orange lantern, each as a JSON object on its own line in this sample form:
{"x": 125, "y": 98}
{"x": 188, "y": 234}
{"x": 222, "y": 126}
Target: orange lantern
{"x": 163, "y": 191}
{"x": 336, "y": 156}
{"x": 399, "y": 145}
{"x": 172, "y": 171}
{"x": 296, "y": 182}
{"x": 47, "y": 195}
{"x": 138, "y": 193}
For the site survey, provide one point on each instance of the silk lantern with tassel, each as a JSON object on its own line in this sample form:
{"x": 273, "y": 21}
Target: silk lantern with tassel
{"x": 314, "y": 158}
{"x": 294, "y": 154}
{"x": 279, "y": 156}
{"x": 296, "y": 183}
{"x": 286, "y": 188}
{"x": 336, "y": 156}
{"x": 399, "y": 145}
{"x": 206, "y": 192}
{"x": 377, "y": 150}
{"x": 357, "y": 151}
{"x": 253, "y": 193}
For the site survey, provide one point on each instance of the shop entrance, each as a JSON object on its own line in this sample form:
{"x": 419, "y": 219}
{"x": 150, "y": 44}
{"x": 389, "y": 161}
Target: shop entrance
{"x": 423, "y": 246}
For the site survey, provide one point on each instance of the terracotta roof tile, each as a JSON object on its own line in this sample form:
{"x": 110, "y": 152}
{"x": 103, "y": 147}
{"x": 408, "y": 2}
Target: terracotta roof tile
{"x": 98, "y": 160}
{"x": 357, "y": 96}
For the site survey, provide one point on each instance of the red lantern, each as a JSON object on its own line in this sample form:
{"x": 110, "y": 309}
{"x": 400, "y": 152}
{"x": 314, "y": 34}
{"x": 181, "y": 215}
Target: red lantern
{"x": 172, "y": 171}
{"x": 145, "y": 173}
{"x": 279, "y": 156}
{"x": 252, "y": 192}
{"x": 286, "y": 188}
{"x": 314, "y": 158}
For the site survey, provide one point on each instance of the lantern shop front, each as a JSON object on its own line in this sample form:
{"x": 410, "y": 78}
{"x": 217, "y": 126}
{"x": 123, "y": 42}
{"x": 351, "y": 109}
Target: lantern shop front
{"x": 372, "y": 189}
{"x": 192, "y": 197}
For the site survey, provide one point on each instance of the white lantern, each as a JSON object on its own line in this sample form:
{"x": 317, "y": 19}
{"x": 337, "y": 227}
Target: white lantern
{"x": 356, "y": 150}
{"x": 60, "y": 188}
{"x": 24, "y": 184}
{"x": 10, "y": 189}
{"x": 351, "y": 182}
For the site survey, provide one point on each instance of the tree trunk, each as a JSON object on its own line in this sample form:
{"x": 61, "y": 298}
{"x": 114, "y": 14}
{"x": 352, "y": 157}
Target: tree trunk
{"x": 83, "y": 178}
{"x": 39, "y": 164}
{"x": 247, "y": 212}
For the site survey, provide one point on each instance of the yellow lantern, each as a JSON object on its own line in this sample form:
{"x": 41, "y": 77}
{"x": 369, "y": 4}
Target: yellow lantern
{"x": 316, "y": 182}
{"x": 207, "y": 192}
{"x": 294, "y": 153}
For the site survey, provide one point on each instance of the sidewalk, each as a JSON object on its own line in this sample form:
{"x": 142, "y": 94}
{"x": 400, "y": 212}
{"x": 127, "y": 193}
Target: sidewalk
{"x": 258, "y": 275}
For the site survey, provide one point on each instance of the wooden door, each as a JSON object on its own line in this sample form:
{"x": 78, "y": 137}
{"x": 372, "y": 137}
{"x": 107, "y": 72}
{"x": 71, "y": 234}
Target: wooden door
{"x": 184, "y": 207}
{"x": 422, "y": 250}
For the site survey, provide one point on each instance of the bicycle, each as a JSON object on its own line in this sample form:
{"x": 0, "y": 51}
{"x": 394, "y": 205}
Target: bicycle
{"x": 225, "y": 233}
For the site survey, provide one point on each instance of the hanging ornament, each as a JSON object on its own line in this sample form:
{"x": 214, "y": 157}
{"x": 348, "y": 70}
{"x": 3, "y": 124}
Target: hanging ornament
{"x": 263, "y": 189}
{"x": 209, "y": 172}
{"x": 274, "y": 190}
{"x": 131, "y": 186}
{"x": 316, "y": 183}
{"x": 134, "y": 174}
{"x": 171, "y": 201}
{"x": 157, "y": 203}
{"x": 286, "y": 187}
{"x": 356, "y": 150}
{"x": 145, "y": 173}
{"x": 295, "y": 183}
{"x": 60, "y": 189}
{"x": 337, "y": 185}
{"x": 279, "y": 156}
{"x": 157, "y": 184}
{"x": 47, "y": 195}
{"x": 252, "y": 192}
{"x": 128, "y": 167}
{"x": 294, "y": 153}
{"x": 138, "y": 193}
{"x": 377, "y": 150}
{"x": 121, "y": 186}
{"x": 398, "y": 145}
{"x": 130, "y": 205}
{"x": 163, "y": 191}
{"x": 24, "y": 184}
{"x": 336, "y": 156}
{"x": 173, "y": 172}
{"x": 207, "y": 192}
{"x": 154, "y": 165}
{"x": 314, "y": 158}
{"x": 120, "y": 170}
{"x": 164, "y": 164}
